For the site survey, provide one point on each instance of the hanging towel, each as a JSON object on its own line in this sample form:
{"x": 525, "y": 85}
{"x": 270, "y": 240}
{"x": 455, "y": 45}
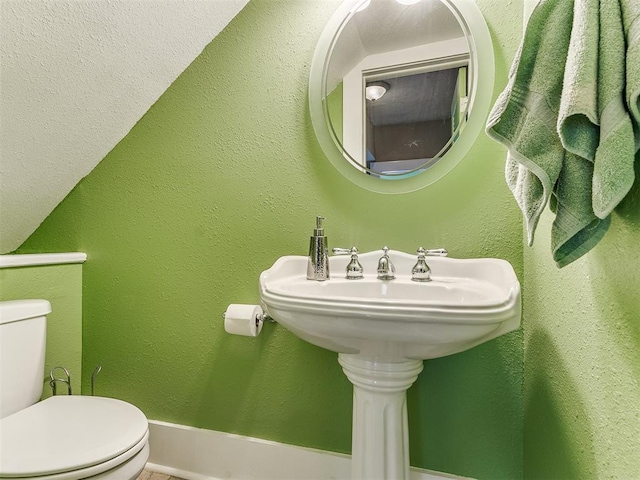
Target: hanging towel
{"x": 593, "y": 121}
{"x": 525, "y": 119}
{"x": 613, "y": 174}
{"x": 631, "y": 20}
{"x": 578, "y": 123}
{"x": 575, "y": 230}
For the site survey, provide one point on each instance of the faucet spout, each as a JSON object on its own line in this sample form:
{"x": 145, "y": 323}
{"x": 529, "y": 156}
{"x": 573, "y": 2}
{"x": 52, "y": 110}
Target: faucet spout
{"x": 386, "y": 269}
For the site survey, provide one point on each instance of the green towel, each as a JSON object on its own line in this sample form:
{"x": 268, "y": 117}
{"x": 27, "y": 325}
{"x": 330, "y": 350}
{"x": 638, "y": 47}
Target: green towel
{"x": 578, "y": 124}
{"x": 525, "y": 119}
{"x": 631, "y": 20}
{"x": 593, "y": 121}
{"x": 571, "y": 235}
{"x": 613, "y": 173}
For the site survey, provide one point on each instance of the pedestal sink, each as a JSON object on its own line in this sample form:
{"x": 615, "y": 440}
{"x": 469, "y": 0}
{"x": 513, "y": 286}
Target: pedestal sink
{"x": 382, "y": 330}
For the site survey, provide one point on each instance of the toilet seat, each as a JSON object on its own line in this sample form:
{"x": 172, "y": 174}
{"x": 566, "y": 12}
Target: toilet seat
{"x": 95, "y": 471}
{"x": 67, "y": 437}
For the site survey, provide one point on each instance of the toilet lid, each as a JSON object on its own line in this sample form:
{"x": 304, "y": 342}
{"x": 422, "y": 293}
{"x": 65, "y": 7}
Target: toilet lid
{"x": 65, "y": 433}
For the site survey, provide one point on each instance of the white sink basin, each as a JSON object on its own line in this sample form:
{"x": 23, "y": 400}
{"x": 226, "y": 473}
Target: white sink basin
{"x": 383, "y": 330}
{"x": 468, "y": 302}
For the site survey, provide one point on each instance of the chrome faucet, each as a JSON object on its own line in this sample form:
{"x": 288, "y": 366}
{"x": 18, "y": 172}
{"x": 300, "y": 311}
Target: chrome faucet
{"x": 386, "y": 269}
{"x": 354, "y": 268}
{"x": 421, "y": 271}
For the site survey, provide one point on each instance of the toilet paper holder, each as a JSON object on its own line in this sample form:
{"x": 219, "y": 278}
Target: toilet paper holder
{"x": 95, "y": 373}
{"x": 53, "y": 380}
{"x": 261, "y": 317}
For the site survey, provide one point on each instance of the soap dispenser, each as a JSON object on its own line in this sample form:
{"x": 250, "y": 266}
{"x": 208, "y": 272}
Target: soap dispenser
{"x": 318, "y": 264}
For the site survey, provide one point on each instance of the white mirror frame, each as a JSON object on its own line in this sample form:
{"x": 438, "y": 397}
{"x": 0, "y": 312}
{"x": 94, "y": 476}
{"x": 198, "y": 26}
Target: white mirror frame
{"x": 482, "y": 72}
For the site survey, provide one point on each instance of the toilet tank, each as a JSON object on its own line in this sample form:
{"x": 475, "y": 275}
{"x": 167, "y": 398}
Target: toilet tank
{"x": 23, "y": 332}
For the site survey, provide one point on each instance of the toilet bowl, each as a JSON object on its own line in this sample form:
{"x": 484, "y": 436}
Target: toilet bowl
{"x": 64, "y": 437}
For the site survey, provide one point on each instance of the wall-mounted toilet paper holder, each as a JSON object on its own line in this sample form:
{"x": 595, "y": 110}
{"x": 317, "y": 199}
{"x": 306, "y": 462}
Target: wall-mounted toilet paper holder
{"x": 245, "y": 319}
{"x": 261, "y": 317}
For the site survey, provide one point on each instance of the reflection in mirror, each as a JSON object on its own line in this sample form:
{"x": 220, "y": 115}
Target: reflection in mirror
{"x": 400, "y": 89}
{"x": 401, "y": 72}
{"x": 412, "y": 119}
{"x": 413, "y": 60}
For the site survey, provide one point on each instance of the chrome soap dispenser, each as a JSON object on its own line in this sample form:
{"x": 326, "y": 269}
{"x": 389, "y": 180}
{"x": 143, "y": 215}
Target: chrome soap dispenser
{"x": 318, "y": 264}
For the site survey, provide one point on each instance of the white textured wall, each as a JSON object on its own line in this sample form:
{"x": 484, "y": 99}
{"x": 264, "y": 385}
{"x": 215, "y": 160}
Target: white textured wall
{"x": 75, "y": 76}
{"x": 529, "y": 5}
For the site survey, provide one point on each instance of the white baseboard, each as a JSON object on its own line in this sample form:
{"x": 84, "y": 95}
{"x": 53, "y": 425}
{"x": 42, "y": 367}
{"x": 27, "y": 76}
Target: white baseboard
{"x": 198, "y": 454}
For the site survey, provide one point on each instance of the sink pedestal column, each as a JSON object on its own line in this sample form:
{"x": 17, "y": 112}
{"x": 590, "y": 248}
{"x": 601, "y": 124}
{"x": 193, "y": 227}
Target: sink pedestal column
{"x": 380, "y": 442}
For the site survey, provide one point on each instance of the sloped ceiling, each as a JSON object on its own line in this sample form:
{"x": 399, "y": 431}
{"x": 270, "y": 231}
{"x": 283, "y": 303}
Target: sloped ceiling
{"x": 75, "y": 77}
{"x": 386, "y": 27}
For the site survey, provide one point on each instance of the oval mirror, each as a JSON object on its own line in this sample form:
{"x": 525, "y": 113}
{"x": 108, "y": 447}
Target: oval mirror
{"x": 400, "y": 89}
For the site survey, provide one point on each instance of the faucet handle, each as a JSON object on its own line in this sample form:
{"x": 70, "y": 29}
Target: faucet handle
{"x": 386, "y": 269}
{"x": 435, "y": 252}
{"x": 354, "y": 268}
{"x": 421, "y": 271}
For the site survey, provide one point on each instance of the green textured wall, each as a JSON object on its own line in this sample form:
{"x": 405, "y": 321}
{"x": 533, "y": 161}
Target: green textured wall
{"x": 221, "y": 177}
{"x": 582, "y": 356}
{"x": 62, "y": 286}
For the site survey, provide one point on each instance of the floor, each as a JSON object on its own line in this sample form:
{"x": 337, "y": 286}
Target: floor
{"x": 149, "y": 475}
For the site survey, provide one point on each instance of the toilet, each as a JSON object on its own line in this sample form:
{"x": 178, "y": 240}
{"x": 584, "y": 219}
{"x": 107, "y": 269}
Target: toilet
{"x": 64, "y": 437}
